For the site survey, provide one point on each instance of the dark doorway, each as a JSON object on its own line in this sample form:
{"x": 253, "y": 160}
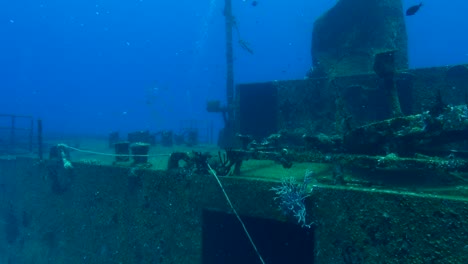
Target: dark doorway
{"x": 224, "y": 241}
{"x": 258, "y": 109}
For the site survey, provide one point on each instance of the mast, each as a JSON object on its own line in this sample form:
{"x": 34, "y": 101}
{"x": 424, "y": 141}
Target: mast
{"x": 229, "y": 62}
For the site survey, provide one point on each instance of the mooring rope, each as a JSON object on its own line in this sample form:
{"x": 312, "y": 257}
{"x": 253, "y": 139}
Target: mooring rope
{"x": 213, "y": 172}
{"x": 110, "y": 154}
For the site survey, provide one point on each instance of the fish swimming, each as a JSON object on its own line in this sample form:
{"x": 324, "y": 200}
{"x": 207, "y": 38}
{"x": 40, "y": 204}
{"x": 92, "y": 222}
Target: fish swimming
{"x": 412, "y": 10}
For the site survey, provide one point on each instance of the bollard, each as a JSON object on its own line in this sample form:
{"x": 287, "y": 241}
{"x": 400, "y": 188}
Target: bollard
{"x": 140, "y": 152}
{"x": 166, "y": 138}
{"x": 122, "y": 150}
{"x": 192, "y": 138}
{"x": 113, "y": 139}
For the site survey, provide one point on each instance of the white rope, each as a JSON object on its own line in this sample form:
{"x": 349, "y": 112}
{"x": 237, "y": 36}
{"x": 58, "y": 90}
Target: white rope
{"x": 111, "y": 154}
{"x": 237, "y": 215}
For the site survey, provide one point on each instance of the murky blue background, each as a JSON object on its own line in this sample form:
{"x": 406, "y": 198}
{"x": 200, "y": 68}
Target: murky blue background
{"x": 91, "y": 67}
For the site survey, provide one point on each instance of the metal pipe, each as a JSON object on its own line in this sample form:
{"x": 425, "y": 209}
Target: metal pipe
{"x": 39, "y": 138}
{"x": 229, "y": 58}
{"x": 31, "y": 132}
{"x": 12, "y": 134}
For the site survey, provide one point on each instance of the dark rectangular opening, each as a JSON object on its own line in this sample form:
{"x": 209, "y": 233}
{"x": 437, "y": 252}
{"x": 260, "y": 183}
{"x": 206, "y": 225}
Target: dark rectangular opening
{"x": 224, "y": 240}
{"x": 258, "y": 109}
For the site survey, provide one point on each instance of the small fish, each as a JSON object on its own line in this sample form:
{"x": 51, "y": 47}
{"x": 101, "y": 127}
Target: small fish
{"x": 254, "y": 3}
{"x": 412, "y": 10}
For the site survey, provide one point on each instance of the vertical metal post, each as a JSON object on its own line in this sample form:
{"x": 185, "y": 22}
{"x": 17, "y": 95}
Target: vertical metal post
{"x": 211, "y": 132}
{"x": 31, "y": 132}
{"x": 12, "y": 134}
{"x": 39, "y": 138}
{"x": 229, "y": 58}
{"x": 228, "y": 115}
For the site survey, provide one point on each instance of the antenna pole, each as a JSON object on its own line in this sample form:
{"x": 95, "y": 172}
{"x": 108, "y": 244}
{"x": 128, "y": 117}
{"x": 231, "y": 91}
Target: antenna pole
{"x": 229, "y": 61}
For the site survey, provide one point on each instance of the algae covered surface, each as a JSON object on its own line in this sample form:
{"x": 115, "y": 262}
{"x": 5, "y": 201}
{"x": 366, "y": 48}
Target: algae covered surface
{"x": 97, "y": 212}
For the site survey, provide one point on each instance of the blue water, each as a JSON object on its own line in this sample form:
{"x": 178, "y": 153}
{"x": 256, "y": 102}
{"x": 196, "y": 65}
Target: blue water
{"x": 88, "y": 66}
